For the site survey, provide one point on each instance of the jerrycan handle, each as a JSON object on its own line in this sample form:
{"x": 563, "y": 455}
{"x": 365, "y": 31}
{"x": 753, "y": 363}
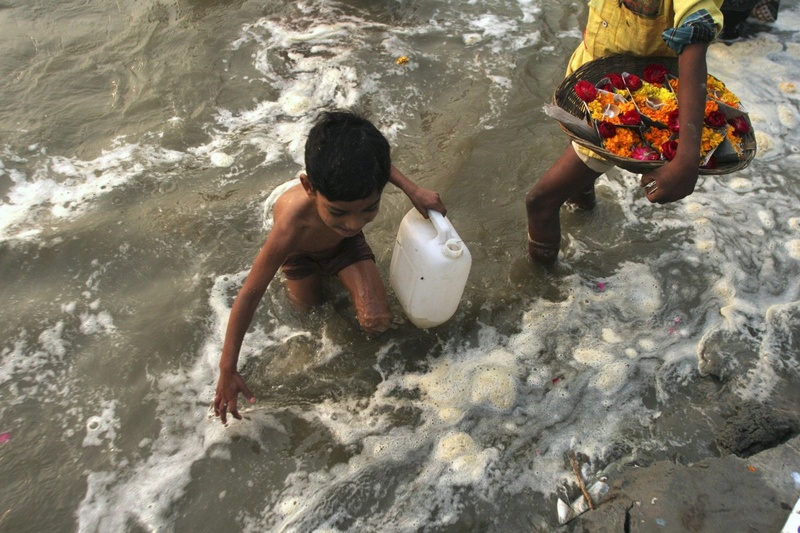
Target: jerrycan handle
{"x": 450, "y": 246}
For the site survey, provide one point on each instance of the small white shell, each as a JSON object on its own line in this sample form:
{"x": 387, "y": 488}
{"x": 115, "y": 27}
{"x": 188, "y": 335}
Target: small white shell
{"x": 565, "y": 513}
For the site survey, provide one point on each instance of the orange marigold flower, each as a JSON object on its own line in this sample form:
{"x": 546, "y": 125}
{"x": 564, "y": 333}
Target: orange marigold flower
{"x": 623, "y": 143}
{"x": 608, "y": 107}
{"x": 718, "y": 91}
{"x": 656, "y": 103}
{"x": 657, "y": 136}
{"x": 709, "y": 140}
{"x": 734, "y": 139}
{"x": 673, "y": 82}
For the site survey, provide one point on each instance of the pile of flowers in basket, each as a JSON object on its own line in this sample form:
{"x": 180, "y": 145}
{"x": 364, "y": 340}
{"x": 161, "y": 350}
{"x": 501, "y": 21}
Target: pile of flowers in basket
{"x": 637, "y": 116}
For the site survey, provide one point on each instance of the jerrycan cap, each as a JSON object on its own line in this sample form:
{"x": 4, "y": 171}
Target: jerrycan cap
{"x": 449, "y": 245}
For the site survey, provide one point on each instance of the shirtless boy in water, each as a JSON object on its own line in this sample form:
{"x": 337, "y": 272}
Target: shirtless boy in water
{"x": 317, "y": 232}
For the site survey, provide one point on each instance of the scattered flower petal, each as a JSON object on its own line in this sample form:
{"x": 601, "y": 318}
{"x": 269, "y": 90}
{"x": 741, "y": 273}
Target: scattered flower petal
{"x": 5, "y": 437}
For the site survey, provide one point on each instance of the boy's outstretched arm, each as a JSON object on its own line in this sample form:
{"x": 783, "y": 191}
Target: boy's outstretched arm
{"x": 423, "y": 199}
{"x": 677, "y": 178}
{"x": 231, "y": 382}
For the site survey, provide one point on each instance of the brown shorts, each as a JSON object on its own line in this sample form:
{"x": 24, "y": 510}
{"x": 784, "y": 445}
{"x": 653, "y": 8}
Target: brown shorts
{"x": 351, "y": 250}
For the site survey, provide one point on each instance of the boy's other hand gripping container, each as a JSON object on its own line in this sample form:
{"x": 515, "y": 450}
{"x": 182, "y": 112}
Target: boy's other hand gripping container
{"x": 429, "y": 268}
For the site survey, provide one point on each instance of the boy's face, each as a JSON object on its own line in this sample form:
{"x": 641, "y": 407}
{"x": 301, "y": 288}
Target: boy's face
{"x": 345, "y": 218}
{"x": 348, "y": 218}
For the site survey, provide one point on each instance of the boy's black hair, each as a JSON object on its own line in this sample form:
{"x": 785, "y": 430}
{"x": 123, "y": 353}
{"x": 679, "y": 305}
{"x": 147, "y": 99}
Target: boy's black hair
{"x": 347, "y": 158}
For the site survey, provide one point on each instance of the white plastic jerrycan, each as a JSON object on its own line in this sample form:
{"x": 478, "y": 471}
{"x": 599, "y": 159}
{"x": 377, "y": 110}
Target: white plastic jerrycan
{"x": 429, "y": 268}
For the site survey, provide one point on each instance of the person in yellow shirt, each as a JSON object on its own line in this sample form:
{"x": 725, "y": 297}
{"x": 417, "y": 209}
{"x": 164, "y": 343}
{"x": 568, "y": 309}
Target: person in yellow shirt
{"x": 642, "y": 28}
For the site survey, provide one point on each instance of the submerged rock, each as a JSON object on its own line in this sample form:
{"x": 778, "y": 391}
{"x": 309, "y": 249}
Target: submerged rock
{"x": 755, "y": 428}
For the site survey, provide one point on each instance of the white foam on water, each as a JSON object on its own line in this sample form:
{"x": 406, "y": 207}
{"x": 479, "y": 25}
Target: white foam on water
{"x": 58, "y": 188}
{"x": 317, "y": 79}
{"x": 102, "y": 427}
{"x": 101, "y": 322}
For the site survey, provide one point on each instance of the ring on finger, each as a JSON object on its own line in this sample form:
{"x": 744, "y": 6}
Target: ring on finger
{"x": 654, "y": 189}
{"x": 650, "y": 185}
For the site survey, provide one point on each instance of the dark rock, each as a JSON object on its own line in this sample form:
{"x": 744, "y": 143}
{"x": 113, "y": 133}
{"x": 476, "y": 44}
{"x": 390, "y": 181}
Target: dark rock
{"x": 716, "y": 495}
{"x": 755, "y": 428}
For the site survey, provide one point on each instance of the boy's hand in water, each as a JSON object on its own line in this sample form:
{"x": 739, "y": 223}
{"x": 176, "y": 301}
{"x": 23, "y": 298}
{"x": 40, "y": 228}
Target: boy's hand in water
{"x": 229, "y": 386}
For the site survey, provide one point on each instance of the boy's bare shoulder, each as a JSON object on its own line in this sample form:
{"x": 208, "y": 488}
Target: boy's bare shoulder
{"x": 297, "y": 224}
{"x": 295, "y": 219}
{"x": 293, "y": 204}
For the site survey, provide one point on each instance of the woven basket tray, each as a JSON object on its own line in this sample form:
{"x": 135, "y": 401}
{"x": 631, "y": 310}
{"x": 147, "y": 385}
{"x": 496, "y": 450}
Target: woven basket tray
{"x": 566, "y": 98}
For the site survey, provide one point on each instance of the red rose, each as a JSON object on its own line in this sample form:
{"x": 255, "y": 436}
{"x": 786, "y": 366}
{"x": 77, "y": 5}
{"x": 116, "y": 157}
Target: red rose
{"x": 655, "y": 73}
{"x": 669, "y": 149}
{"x": 585, "y": 91}
{"x": 606, "y": 130}
{"x": 605, "y": 85}
{"x": 630, "y": 117}
{"x": 712, "y": 162}
{"x": 716, "y": 119}
{"x": 633, "y": 82}
{"x": 616, "y": 81}
{"x": 740, "y": 125}
{"x": 672, "y": 121}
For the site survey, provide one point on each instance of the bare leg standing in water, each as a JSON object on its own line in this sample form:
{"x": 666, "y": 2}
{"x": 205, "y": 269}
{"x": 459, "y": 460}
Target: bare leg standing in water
{"x": 569, "y": 180}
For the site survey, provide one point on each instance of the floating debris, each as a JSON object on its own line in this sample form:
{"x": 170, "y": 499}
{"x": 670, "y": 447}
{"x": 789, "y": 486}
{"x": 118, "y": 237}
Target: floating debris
{"x": 567, "y": 512}
{"x": 221, "y": 159}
